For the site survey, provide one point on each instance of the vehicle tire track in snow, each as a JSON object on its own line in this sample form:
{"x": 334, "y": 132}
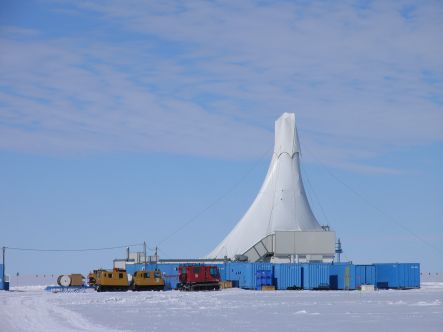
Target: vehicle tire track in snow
{"x": 37, "y": 312}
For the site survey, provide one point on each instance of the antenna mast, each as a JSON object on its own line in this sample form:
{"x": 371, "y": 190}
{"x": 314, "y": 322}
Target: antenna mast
{"x": 338, "y": 249}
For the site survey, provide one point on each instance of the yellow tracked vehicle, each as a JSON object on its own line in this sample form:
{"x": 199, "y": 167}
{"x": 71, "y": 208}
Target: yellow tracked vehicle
{"x": 147, "y": 280}
{"x": 110, "y": 280}
{"x": 92, "y": 277}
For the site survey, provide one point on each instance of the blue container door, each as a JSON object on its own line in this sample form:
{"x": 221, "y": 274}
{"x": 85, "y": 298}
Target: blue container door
{"x": 234, "y": 273}
{"x": 404, "y": 276}
{"x": 389, "y": 275}
{"x": 333, "y": 282}
{"x": 396, "y": 277}
{"x": 246, "y": 280}
{"x": 259, "y": 280}
{"x": 360, "y": 273}
{"x": 370, "y": 274}
{"x": 409, "y": 275}
{"x": 263, "y": 278}
{"x": 251, "y": 282}
{"x": 416, "y": 274}
{"x": 268, "y": 277}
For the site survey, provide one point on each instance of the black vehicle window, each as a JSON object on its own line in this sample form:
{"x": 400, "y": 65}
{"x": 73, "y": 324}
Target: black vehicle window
{"x": 183, "y": 270}
{"x": 157, "y": 274}
{"x": 120, "y": 275}
{"x": 196, "y": 270}
{"x": 110, "y": 275}
{"x": 147, "y": 276}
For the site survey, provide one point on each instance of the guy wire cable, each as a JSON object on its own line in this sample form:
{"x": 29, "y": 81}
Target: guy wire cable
{"x": 216, "y": 200}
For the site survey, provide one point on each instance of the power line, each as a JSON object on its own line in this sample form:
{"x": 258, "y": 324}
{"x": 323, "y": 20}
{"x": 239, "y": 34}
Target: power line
{"x": 386, "y": 215}
{"x": 73, "y": 250}
{"x": 215, "y": 201}
{"x": 316, "y": 196}
{"x": 379, "y": 210}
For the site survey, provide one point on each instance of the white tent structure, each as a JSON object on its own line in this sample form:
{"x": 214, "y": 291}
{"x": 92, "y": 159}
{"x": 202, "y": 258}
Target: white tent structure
{"x": 280, "y": 225}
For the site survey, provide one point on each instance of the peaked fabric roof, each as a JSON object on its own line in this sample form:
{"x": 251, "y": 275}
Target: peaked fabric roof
{"x": 281, "y": 203}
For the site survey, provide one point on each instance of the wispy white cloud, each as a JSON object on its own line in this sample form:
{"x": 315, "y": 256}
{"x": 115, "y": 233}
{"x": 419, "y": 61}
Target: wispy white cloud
{"x": 209, "y": 78}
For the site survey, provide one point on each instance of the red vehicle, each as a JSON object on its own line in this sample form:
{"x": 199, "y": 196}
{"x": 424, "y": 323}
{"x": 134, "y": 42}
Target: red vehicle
{"x": 198, "y": 277}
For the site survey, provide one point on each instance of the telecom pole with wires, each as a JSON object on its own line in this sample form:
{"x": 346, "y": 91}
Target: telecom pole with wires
{"x": 144, "y": 248}
{"x": 4, "y": 259}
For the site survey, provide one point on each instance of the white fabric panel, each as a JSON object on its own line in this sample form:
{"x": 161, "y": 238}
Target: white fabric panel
{"x": 286, "y": 137}
{"x": 281, "y": 204}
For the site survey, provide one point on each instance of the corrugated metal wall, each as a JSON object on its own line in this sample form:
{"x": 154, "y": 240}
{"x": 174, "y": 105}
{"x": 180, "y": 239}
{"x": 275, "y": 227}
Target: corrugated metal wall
{"x": 342, "y": 276}
{"x": 287, "y": 276}
{"x": 364, "y": 275}
{"x": 397, "y": 275}
{"x": 315, "y": 276}
{"x": 339, "y": 276}
{"x": 244, "y": 274}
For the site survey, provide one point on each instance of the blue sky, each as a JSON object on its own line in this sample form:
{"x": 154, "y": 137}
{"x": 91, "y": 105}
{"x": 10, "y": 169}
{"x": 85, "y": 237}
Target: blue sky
{"x": 122, "y": 120}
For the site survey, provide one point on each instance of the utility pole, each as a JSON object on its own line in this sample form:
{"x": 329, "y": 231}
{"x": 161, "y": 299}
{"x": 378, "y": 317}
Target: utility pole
{"x": 144, "y": 247}
{"x": 4, "y": 253}
{"x": 156, "y": 257}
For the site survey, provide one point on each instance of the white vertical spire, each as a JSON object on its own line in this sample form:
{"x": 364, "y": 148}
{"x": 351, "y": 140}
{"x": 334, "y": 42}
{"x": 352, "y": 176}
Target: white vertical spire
{"x": 281, "y": 204}
{"x": 286, "y": 136}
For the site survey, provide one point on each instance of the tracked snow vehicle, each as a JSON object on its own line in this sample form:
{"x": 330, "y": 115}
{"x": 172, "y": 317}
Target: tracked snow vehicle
{"x": 198, "y": 277}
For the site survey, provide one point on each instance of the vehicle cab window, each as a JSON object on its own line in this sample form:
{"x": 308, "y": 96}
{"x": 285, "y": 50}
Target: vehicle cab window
{"x": 213, "y": 272}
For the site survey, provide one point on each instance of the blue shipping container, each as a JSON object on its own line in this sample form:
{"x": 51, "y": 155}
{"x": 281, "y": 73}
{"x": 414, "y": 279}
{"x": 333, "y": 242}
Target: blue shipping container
{"x": 370, "y": 275}
{"x": 397, "y": 275}
{"x": 235, "y": 272}
{"x": 287, "y": 276}
{"x": 250, "y": 280}
{"x": 245, "y": 273}
{"x": 342, "y": 276}
{"x": 364, "y": 275}
{"x": 315, "y": 276}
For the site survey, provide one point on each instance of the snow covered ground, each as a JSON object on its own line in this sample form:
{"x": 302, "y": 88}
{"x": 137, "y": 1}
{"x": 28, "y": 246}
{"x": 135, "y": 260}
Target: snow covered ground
{"x": 30, "y": 308}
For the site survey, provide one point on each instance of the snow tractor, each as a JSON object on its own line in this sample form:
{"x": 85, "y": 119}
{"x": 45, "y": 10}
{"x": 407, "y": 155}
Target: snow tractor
{"x": 147, "y": 280}
{"x": 110, "y": 280}
{"x": 198, "y": 277}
